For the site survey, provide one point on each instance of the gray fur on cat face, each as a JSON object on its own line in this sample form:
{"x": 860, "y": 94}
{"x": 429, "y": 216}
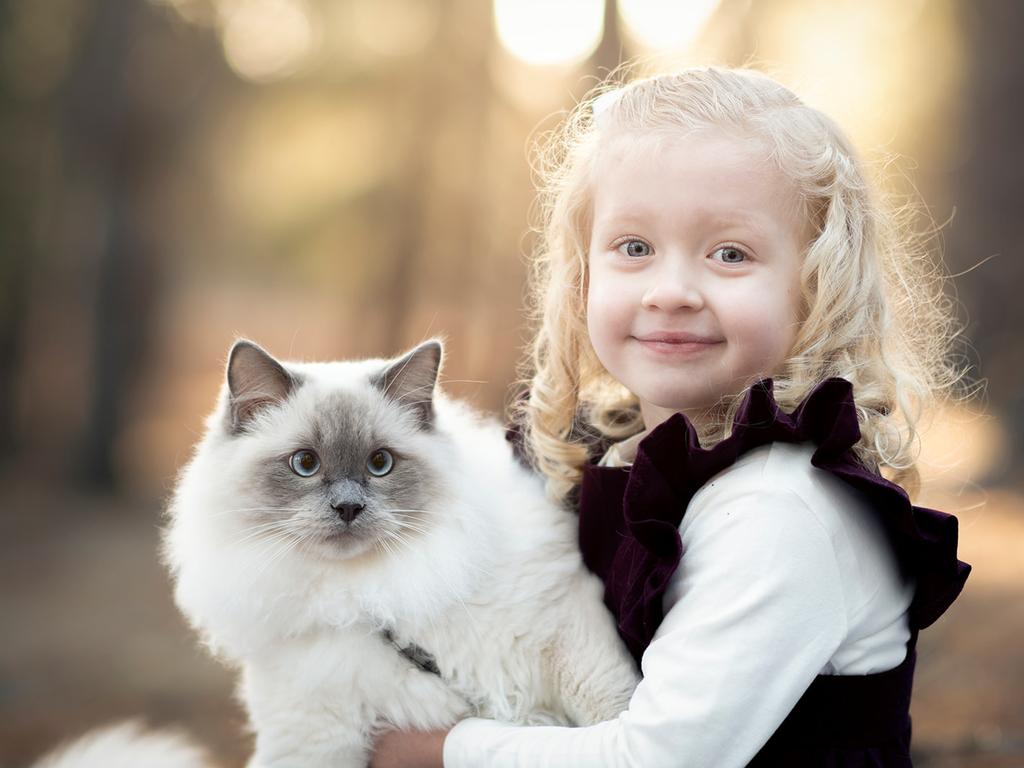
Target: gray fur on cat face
{"x": 344, "y": 413}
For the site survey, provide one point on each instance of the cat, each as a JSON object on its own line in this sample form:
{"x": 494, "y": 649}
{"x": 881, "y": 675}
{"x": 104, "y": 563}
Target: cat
{"x": 369, "y": 554}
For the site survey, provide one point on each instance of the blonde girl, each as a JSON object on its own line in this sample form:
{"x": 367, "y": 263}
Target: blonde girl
{"x": 734, "y": 344}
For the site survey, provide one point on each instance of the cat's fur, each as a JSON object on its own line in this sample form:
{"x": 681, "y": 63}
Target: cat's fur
{"x": 455, "y": 552}
{"x": 127, "y": 745}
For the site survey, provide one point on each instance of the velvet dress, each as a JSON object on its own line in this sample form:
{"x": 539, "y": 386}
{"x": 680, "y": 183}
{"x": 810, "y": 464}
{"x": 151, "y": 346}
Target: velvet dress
{"x": 628, "y": 525}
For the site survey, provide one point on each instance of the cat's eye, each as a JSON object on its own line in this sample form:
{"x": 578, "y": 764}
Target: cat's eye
{"x": 304, "y": 463}
{"x": 380, "y": 463}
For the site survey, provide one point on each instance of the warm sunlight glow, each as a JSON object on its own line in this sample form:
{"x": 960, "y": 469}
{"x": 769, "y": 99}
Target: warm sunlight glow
{"x": 549, "y": 31}
{"x": 282, "y": 164}
{"x": 392, "y": 27}
{"x": 891, "y": 80}
{"x": 266, "y": 39}
{"x": 665, "y": 25}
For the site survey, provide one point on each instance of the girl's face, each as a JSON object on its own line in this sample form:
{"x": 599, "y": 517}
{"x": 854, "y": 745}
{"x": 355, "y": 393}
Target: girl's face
{"x": 694, "y": 269}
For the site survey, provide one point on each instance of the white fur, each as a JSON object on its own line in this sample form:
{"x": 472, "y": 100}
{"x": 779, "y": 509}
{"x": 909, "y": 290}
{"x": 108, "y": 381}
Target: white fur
{"x": 494, "y": 588}
{"x": 127, "y": 745}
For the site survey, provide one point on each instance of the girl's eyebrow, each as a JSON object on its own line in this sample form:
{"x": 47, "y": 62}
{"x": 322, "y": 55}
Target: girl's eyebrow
{"x": 619, "y": 220}
{"x": 721, "y": 219}
{"x": 756, "y": 227}
{"x": 738, "y": 216}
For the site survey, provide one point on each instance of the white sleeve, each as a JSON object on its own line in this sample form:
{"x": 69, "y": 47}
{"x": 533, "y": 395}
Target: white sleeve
{"x": 753, "y": 614}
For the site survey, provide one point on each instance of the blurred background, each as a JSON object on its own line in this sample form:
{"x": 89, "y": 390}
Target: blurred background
{"x": 343, "y": 178}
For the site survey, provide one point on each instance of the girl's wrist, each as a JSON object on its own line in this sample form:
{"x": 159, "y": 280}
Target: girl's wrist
{"x": 433, "y": 749}
{"x": 409, "y": 749}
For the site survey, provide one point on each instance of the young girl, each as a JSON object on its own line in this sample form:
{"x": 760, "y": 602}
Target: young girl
{"x": 718, "y": 286}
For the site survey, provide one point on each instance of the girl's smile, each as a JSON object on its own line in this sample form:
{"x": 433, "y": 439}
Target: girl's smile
{"x": 693, "y": 285}
{"x": 671, "y": 343}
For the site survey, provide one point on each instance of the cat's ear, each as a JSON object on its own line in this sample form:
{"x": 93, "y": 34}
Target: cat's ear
{"x": 410, "y": 379}
{"x": 255, "y": 381}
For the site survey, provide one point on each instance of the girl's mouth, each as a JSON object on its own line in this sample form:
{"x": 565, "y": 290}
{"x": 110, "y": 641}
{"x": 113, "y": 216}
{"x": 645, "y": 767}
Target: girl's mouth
{"x": 676, "y": 343}
{"x": 677, "y": 348}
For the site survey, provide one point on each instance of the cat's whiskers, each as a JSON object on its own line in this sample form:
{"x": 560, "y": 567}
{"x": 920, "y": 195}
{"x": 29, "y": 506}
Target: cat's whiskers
{"x": 244, "y": 572}
{"x": 237, "y": 510}
{"x": 452, "y": 511}
{"x": 273, "y": 526}
{"x": 290, "y": 542}
{"x": 261, "y": 538}
{"x": 387, "y": 537}
{"x": 274, "y": 540}
{"x": 405, "y": 522}
{"x": 269, "y": 542}
{"x": 418, "y": 530}
{"x": 408, "y": 522}
{"x": 266, "y": 524}
{"x": 382, "y": 542}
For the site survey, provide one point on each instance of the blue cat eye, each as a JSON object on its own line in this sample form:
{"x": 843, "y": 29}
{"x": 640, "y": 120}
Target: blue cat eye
{"x": 380, "y": 463}
{"x": 304, "y": 463}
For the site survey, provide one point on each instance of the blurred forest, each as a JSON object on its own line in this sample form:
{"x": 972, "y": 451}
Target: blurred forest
{"x": 343, "y": 178}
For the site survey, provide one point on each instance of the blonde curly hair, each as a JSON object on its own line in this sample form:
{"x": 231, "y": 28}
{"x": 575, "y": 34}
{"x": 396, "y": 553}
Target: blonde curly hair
{"x": 873, "y": 307}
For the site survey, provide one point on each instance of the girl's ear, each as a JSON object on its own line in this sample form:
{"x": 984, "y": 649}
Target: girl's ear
{"x": 255, "y": 381}
{"x": 410, "y": 380}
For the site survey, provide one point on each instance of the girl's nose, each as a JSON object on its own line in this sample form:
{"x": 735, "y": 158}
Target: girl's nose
{"x": 674, "y": 287}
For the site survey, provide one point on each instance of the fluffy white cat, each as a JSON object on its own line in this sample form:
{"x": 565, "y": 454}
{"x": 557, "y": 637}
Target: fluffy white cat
{"x": 369, "y": 554}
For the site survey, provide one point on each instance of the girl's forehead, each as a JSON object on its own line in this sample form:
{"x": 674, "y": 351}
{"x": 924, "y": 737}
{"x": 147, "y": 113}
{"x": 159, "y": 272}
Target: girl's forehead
{"x": 718, "y": 169}
{"x": 652, "y": 146}
{"x": 631, "y": 167}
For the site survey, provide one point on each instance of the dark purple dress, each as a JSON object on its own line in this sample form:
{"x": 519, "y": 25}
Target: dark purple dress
{"x": 629, "y": 520}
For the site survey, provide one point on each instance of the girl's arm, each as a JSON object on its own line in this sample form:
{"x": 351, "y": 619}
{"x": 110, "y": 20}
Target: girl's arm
{"x": 409, "y": 749}
{"x": 754, "y": 613}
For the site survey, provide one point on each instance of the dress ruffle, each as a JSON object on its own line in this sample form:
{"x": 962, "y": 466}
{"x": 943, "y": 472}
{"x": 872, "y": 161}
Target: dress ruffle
{"x": 641, "y": 549}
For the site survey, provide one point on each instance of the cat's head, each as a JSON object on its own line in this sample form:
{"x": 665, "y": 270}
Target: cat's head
{"x": 334, "y": 460}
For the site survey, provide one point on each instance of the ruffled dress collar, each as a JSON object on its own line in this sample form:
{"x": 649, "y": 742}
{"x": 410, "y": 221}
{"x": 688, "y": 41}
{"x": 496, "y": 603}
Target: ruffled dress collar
{"x": 629, "y": 518}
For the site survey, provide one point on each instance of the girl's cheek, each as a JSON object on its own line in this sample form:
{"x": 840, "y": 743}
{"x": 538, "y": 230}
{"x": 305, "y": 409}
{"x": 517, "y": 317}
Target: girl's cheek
{"x": 771, "y": 327}
{"x": 602, "y": 298}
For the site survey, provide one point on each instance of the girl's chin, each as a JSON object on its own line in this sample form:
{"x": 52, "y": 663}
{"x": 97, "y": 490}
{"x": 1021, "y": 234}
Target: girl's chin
{"x": 660, "y": 406}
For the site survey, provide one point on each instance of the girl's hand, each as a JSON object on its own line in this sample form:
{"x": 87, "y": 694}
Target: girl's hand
{"x": 409, "y": 749}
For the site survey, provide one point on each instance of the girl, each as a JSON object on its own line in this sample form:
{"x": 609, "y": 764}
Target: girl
{"x": 717, "y": 285}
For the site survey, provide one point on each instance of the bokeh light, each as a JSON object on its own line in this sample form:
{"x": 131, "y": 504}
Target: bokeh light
{"x": 549, "y": 31}
{"x": 887, "y": 58}
{"x": 665, "y": 26}
{"x": 267, "y": 39}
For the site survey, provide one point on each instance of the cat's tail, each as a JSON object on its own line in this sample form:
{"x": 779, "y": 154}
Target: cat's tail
{"x": 128, "y": 745}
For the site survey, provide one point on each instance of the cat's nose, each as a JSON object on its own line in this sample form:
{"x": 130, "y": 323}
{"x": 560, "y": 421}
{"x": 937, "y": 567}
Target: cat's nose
{"x": 347, "y": 511}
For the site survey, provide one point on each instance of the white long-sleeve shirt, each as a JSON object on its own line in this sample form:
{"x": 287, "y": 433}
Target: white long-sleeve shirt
{"x": 786, "y": 574}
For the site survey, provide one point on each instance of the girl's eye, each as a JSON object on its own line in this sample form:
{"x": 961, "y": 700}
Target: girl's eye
{"x": 635, "y": 249}
{"x": 304, "y": 463}
{"x": 380, "y": 463}
{"x": 730, "y": 255}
